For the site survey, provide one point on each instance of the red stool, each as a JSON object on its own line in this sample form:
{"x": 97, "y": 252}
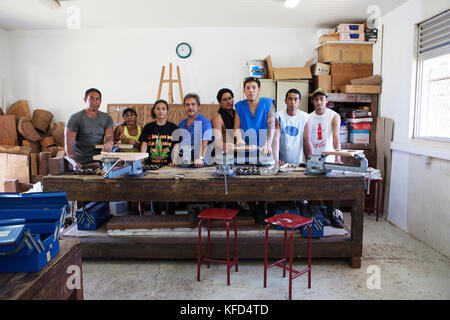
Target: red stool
{"x": 288, "y": 221}
{"x": 377, "y": 197}
{"x": 217, "y": 214}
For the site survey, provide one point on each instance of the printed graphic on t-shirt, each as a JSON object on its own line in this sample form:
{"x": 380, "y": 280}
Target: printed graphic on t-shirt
{"x": 291, "y": 131}
{"x": 160, "y": 148}
{"x": 318, "y": 133}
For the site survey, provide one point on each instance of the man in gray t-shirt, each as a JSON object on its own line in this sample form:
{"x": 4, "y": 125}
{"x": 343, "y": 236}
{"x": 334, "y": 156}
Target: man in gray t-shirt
{"x": 87, "y": 128}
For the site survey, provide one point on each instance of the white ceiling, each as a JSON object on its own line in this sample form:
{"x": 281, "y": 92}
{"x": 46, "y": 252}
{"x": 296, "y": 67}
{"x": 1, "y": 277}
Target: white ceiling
{"x": 33, "y": 14}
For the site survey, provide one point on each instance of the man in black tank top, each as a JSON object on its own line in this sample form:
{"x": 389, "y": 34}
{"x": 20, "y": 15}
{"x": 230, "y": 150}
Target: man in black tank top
{"x": 223, "y": 122}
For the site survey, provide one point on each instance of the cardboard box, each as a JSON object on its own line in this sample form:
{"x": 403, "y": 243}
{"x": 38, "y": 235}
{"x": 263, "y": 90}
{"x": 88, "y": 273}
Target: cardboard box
{"x": 345, "y": 53}
{"x": 294, "y": 73}
{"x": 343, "y": 73}
{"x": 269, "y": 72}
{"x": 349, "y": 27}
{"x": 354, "y": 88}
{"x": 323, "y": 81}
{"x": 329, "y": 37}
{"x": 318, "y": 69}
{"x": 350, "y": 36}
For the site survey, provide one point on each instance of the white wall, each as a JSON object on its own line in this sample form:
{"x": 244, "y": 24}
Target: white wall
{"x": 420, "y": 193}
{"x": 52, "y": 69}
{"x": 4, "y": 65}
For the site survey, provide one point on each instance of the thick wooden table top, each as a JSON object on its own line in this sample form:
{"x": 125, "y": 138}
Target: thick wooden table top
{"x": 200, "y": 184}
{"x": 47, "y": 284}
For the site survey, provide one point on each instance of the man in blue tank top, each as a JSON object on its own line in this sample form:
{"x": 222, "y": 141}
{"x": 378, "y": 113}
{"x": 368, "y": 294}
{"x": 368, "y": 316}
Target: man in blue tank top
{"x": 254, "y": 122}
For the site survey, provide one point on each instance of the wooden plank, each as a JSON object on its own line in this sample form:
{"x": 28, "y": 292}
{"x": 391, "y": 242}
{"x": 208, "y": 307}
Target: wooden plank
{"x": 344, "y": 153}
{"x": 119, "y": 145}
{"x": 8, "y": 132}
{"x": 15, "y": 150}
{"x": 176, "y": 112}
{"x": 34, "y": 164}
{"x": 167, "y": 221}
{"x": 353, "y": 88}
{"x": 15, "y": 166}
{"x": 43, "y": 162}
{"x": 125, "y": 156}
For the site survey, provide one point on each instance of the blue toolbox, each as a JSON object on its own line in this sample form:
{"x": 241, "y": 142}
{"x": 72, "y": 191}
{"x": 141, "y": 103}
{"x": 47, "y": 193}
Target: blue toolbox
{"x": 286, "y": 206}
{"x": 92, "y": 215}
{"x": 30, "y": 225}
{"x": 313, "y": 212}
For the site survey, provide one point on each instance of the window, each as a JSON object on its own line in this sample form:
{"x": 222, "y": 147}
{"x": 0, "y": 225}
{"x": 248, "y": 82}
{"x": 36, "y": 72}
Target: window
{"x": 432, "y": 117}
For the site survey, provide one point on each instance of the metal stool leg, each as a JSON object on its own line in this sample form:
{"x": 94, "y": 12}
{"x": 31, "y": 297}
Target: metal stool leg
{"x": 309, "y": 256}
{"x": 378, "y": 198}
{"x": 285, "y": 252}
{"x": 265, "y": 255}
{"x": 208, "y": 253}
{"x": 291, "y": 253}
{"x": 199, "y": 248}
{"x": 235, "y": 244}
{"x": 228, "y": 253}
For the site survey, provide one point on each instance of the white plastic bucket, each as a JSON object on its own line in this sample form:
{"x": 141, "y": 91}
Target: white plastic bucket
{"x": 257, "y": 68}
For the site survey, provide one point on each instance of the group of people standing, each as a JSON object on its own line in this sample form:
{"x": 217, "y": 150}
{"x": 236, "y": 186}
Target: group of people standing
{"x": 285, "y": 136}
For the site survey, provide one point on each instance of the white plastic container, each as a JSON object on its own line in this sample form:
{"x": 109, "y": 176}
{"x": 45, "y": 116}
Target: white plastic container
{"x": 118, "y": 208}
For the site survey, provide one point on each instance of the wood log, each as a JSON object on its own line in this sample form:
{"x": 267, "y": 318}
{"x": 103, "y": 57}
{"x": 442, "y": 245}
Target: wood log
{"x": 56, "y": 164}
{"x": 24, "y": 187}
{"x": 27, "y": 130}
{"x": 15, "y": 150}
{"x": 57, "y": 130}
{"x": 374, "y": 80}
{"x": 47, "y": 142}
{"x": 41, "y": 119}
{"x": 43, "y": 162}
{"x": 11, "y": 185}
{"x": 15, "y": 166}
{"x": 35, "y": 146}
{"x": 8, "y": 132}
{"x": 20, "y": 109}
{"x": 53, "y": 150}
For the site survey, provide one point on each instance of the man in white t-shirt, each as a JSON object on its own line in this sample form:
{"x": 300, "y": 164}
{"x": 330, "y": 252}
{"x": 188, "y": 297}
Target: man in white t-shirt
{"x": 325, "y": 125}
{"x": 294, "y": 131}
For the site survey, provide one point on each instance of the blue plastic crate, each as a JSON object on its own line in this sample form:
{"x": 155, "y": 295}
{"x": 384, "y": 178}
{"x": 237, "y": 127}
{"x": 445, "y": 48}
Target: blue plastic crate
{"x": 32, "y": 262}
{"x": 92, "y": 215}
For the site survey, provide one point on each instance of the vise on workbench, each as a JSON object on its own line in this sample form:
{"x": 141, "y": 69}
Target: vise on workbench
{"x": 116, "y": 164}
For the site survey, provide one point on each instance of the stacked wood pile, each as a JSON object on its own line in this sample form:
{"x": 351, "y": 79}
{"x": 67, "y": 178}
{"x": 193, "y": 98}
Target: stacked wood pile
{"x": 31, "y": 145}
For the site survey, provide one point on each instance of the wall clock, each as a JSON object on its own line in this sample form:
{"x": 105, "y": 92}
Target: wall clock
{"x": 183, "y": 50}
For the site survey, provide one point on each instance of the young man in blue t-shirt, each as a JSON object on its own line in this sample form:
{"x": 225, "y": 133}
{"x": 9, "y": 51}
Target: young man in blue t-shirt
{"x": 254, "y": 122}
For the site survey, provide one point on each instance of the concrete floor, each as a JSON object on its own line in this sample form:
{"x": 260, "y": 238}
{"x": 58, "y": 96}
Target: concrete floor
{"x": 408, "y": 269}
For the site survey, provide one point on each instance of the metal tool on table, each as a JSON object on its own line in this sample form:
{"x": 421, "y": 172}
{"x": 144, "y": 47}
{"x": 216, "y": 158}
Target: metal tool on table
{"x": 225, "y": 162}
{"x": 116, "y": 164}
{"x": 316, "y": 165}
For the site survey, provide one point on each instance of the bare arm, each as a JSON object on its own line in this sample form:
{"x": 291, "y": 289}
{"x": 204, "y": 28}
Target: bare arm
{"x": 267, "y": 148}
{"x": 108, "y": 140}
{"x": 237, "y": 130}
{"x": 276, "y": 144}
{"x": 217, "y": 124}
{"x": 118, "y": 132}
{"x": 336, "y": 127}
{"x": 69, "y": 137}
{"x": 307, "y": 146}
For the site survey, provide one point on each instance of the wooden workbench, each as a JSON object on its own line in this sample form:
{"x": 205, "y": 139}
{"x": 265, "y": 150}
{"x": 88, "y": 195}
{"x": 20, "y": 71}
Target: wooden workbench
{"x": 200, "y": 185}
{"x": 51, "y": 282}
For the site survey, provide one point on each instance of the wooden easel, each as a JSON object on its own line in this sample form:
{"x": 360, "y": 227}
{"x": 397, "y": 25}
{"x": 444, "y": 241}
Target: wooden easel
{"x": 170, "y": 82}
